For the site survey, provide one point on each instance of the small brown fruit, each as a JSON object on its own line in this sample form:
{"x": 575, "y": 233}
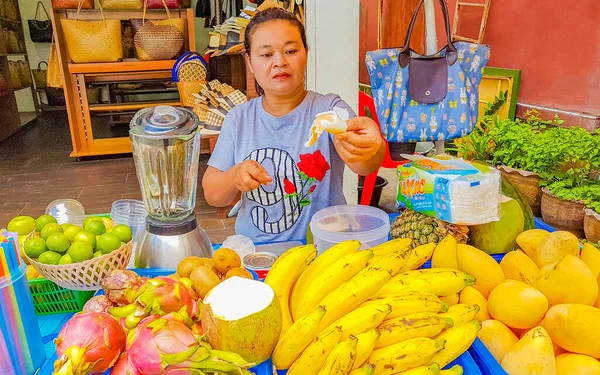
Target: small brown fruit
{"x": 204, "y": 279}
{"x": 226, "y": 259}
{"x": 187, "y": 265}
{"x": 238, "y": 271}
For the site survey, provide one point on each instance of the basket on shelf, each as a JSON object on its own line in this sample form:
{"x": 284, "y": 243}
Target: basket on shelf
{"x": 87, "y": 275}
{"x": 49, "y": 298}
{"x": 187, "y": 89}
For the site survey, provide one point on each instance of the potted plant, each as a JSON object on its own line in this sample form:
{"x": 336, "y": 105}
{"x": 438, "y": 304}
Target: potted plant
{"x": 563, "y": 206}
{"x": 591, "y": 222}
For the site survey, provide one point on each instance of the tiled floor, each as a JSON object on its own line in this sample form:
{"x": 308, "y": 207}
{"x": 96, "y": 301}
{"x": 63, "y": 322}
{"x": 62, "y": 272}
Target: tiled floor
{"x": 35, "y": 169}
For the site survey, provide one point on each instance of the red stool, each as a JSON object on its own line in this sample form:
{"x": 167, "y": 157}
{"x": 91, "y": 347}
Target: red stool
{"x": 367, "y": 102}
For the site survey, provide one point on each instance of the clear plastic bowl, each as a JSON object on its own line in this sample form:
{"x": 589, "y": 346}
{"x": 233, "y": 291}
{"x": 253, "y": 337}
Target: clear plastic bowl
{"x": 332, "y": 225}
{"x": 66, "y": 211}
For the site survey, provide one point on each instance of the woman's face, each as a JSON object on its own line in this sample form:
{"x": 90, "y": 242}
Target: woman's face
{"x": 278, "y": 57}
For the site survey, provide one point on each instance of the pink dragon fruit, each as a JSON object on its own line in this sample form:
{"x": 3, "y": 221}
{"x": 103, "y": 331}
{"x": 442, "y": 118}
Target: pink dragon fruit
{"x": 118, "y": 282}
{"x": 123, "y": 367}
{"x": 161, "y": 296}
{"x": 90, "y": 343}
{"x": 98, "y": 304}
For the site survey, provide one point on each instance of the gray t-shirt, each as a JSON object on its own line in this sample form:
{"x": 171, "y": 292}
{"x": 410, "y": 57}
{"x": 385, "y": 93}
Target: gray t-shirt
{"x": 305, "y": 180}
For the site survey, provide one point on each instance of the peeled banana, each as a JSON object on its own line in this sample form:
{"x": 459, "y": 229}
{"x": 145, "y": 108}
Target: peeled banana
{"x": 405, "y": 355}
{"x": 297, "y": 338}
{"x": 462, "y": 313}
{"x": 341, "y": 359}
{"x": 360, "y": 320}
{"x": 365, "y": 346}
{"x": 419, "y": 256}
{"x": 411, "y": 326}
{"x": 313, "y": 357}
{"x": 409, "y": 302}
{"x": 439, "y": 281}
{"x": 284, "y": 273}
{"x": 330, "y": 278}
{"x": 316, "y": 268}
{"x": 458, "y": 339}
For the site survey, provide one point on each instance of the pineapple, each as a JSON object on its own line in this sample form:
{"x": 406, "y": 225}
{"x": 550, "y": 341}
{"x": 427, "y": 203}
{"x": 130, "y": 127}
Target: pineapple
{"x": 424, "y": 229}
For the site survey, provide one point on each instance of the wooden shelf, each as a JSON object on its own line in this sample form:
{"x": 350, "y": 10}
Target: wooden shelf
{"x": 9, "y": 20}
{"x": 121, "y": 67}
{"x": 129, "y": 106}
{"x": 14, "y": 54}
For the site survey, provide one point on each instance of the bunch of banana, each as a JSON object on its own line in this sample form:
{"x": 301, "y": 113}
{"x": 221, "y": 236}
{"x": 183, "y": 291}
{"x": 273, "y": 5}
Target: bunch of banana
{"x": 364, "y": 312}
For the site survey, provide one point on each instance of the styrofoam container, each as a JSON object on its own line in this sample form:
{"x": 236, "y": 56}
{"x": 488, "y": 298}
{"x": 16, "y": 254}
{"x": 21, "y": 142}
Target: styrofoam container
{"x": 332, "y": 225}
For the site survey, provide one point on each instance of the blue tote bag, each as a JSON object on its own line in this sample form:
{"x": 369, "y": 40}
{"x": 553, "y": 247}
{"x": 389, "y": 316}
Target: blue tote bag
{"x": 427, "y": 98}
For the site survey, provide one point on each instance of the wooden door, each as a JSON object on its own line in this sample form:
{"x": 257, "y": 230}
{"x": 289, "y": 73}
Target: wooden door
{"x": 395, "y": 18}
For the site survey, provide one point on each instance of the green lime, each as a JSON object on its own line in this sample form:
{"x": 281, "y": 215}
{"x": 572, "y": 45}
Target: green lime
{"x": 71, "y": 231}
{"x": 49, "y": 257}
{"x": 123, "y": 232}
{"x": 65, "y": 226}
{"x": 41, "y": 222}
{"x": 90, "y": 218}
{"x": 95, "y": 226}
{"x": 80, "y": 251}
{"x": 98, "y": 254}
{"x": 35, "y": 247}
{"x": 23, "y": 225}
{"x": 58, "y": 242}
{"x": 108, "y": 242}
{"x": 49, "y": 229}
{"x": 85, "y": 236}
{"x": 65, "y": 259}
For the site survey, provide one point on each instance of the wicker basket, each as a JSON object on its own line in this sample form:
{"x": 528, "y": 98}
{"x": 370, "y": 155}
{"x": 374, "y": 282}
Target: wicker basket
{"x": 187, "y": 90}
{"x": 86, "y": 275}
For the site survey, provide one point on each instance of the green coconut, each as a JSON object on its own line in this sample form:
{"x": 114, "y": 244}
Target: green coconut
{"x": 242, "y": 316}
{"x": 499, "y": 237}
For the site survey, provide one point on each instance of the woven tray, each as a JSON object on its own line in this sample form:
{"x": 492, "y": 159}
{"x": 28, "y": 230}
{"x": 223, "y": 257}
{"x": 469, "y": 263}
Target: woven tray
{"x": 86, "y": 275}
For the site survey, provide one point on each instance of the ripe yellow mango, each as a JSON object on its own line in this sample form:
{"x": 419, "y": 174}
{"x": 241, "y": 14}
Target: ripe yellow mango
{"x": 472, "y": 296}
{"x": 497, "y": 337}
{"x": 569, "y": 280}
{"x": 517, "y": 304}
{"x": 451, "y": 300}
{"x": 597, "y": 304}
{"x": 569, "y": 364}
{"x": 532, "y": 355}
{"x": 554, "y": 247}
{"x": 486, "y": 270}
{"x": 575, "y": 327}
{"x": 516, "y": 265}
{"x": 444, "y": 255}
{"x": 591, "y": 256}
{"x": 529, "y": 240}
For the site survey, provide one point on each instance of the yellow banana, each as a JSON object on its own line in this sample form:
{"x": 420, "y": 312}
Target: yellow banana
{"x": 458, "y": 339}
{"x": 455, "y": 370}
{"x": 365, "y": 370}
{"x": 391, "y": 246}
{"x": 316, "y": 268}
{"x": 393, "y": 261}
{"x": 313, "y": 357}
{"x": 451, "y": 299}
{"x": 333, "y": 276}
{"x": 365, "y": 346}
{"x": 359, "y": 320}
{"x": 439, "y": 281}
{"x": 419, "y": 256}
{"x": 432, "y": 369}
{"x": 405, "y": 355}
{"x": 284, "y": 273}
{"x": 408, "y": 327}
{"x": 341, "y": 359}
{"x": 409, "y": 302}
{"x": 444, "y": 255}
{"x": 462, "y": 313}
{"x": 296, "y": 338}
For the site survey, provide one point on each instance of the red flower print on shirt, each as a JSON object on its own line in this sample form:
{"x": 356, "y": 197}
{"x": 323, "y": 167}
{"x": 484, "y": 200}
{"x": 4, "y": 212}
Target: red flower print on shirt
{"x": 314, "y": 165}
{"x": 288, "y": 186}
{"x": 312, "y": 168}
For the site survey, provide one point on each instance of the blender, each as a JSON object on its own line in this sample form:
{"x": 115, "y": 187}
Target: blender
{"x": 166, "y": 146}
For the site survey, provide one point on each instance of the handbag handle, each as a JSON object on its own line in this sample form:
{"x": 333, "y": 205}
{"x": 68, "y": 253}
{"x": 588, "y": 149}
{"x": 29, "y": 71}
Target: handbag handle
{"x": 166, "y": 9}
{"x": 451, "y": 55}
{"x": 80, "y": 5}
{"x": 40, "y": 65}
{"x": 37, "y": 10}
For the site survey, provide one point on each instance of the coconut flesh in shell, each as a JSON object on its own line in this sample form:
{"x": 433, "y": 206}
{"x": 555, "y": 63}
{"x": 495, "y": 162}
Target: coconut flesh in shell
{"x": 242, "y": 316}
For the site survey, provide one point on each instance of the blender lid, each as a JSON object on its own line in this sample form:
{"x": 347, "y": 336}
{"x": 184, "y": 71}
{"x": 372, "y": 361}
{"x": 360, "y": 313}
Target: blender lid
{"x": 164, "y": 120}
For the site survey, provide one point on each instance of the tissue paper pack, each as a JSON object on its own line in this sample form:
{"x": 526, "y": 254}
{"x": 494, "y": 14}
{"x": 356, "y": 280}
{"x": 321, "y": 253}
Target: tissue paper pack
{"x": 450, "y": 189}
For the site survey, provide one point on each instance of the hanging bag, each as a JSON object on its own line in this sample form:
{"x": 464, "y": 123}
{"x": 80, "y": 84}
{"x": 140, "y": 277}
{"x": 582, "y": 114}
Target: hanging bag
{"x": 14, "y": 75}
{"x": 40, "y": 31}
{"x": 40, "y": 75}
{"x": 427, "y": 98}
{"x": 72, "y": 4}
{"x": 121, "y": 4}
{"x": 158, "y": 39}
{"x": 93, "y": 41}
{"x": 25, "y": 73}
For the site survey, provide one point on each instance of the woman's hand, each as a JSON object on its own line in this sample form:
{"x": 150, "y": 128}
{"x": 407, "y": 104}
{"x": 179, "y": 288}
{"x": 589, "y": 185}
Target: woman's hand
{"x": 249, "y": 175}
{"x": 361, "y": 142}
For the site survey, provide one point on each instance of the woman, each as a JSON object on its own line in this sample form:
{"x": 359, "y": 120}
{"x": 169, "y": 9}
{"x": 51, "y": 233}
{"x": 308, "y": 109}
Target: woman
{"x": 261, "y": 151}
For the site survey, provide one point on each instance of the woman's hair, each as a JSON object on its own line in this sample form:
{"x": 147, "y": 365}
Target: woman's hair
{"x": 271, "y": 14}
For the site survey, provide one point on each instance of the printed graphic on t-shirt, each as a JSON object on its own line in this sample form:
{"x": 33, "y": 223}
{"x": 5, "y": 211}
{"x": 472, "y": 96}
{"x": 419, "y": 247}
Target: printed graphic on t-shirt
{"x": 291, "y": 189}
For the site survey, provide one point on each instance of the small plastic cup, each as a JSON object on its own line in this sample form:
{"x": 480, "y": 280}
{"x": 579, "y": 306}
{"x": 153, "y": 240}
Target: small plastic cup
{"x": 132, "y": 213}
{"x": 66, "y": 211}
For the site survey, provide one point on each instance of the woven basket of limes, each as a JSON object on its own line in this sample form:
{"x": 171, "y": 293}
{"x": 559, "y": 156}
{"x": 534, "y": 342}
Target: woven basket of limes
{"x": 77, "y": 257}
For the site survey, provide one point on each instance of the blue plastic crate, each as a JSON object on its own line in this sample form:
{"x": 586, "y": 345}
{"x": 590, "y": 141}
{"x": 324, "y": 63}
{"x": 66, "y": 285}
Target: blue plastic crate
{"x": 485, "y": 360}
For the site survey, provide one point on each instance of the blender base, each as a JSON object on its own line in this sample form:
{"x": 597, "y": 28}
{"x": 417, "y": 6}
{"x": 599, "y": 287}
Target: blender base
{"x": 164, "y": 245}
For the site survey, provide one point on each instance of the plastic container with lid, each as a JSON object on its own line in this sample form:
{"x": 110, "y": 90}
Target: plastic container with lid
{"x": 66, "y": 211}
{"x": 332, "y": 225}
